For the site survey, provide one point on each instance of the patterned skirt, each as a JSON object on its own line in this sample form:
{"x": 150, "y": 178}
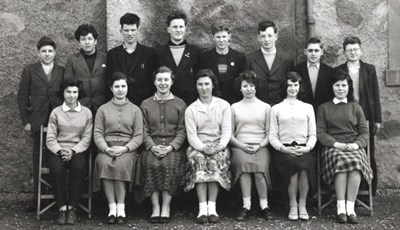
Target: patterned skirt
{"x": 336, "y": 161}
{"x": 161, "y": 174}
{"x": 202, "y": 168}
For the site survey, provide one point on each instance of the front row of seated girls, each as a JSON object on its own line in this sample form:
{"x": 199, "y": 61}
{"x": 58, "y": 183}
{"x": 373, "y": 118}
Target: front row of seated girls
{"x": 162, "y": 124}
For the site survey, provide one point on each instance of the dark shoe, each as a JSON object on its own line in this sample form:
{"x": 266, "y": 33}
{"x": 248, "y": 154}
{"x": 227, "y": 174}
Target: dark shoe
{"x": 62, "y": 217}
{"x": 352, "y": 219}
{"x": 213, "y": 218}
{"x": 121, "y": 220}
{"x": 341, "y": 218}
{"x": 71, "y": 217}
{"x": 266, "y": 214}
{"x": 111, "y": 219}
{"x": 243, "y": 215}
{"x": 165, "y": 219}
{"x": 154, "y": 219}
{"x": 202, "y": 219}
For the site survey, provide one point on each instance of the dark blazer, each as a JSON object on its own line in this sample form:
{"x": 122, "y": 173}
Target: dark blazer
{"x": 184, "y": 83}
{"x": 270, "y": 80}
{"x": 323, "y": 91}
{"x": 236, "y": 62}
{"x": 94, "y": 83}
{"x": 139, "y": 72}
{"x": 37, "y": 96}
{"x": 369, "y": 91}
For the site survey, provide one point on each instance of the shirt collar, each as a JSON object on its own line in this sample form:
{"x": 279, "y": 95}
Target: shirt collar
{"x": 309, "y": 64}
{"x": 273, "y": 52}
{"x": 65, "y": 108}
{"x": 126, "y": 48}
{"x": 170, "y": 43}
{"x": 170, "y": 97}
{"x": 337, "y": 101}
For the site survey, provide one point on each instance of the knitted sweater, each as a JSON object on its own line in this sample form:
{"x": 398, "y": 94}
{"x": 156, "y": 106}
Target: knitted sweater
{"x": 69, "y": 129}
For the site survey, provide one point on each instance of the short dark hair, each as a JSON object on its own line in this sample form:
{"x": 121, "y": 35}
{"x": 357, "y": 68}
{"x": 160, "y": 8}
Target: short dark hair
{"x": 208, "y": 73}
{"x": 293, "y": 77}
{"x": 163, "y": 69}
{"x": 249, "y": 76}
{"x": 176, "y": 15}
{"x": 84, "y": 30}
{"x": 351, "y": 40}
{"x": 341, "y": 75}
{"x": 219, "y": 26}
{"x": 264, "y": 24}
{"x": 71, "y": 83}
{"x": 45, "y": 41}
{"x": 130, "y": 19}
{"x": 314, "y": 40}
{"x": 116, "y": 76}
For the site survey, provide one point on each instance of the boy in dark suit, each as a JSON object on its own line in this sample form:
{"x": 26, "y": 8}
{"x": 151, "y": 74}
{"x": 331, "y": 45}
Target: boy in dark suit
{"x": 88, "y": 66}
{"x": 37, "y": 96}
{"x": 317, "y": 76}
{"x": 133, "y": 59}
{"x": 182, "y": 58}
{"x": 225, "y": 62}
{"x": 269, "y": 64}
{"x": 366, "y": 92}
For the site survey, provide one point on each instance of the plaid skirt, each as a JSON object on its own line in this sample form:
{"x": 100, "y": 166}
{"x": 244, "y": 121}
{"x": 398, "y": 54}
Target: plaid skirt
{"x": 336, "y": 161}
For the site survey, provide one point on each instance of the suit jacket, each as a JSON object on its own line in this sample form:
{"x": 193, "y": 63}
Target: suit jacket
{"x": 184, "y": 83}
{"x": 139, "y": 72}
{"x": 270, "y": 80}
{"x": 37, "y": 96}
{"x": 226, "y": 84}
{"x": 94, "y": 83}
{"x": 323, "y": 90}
{"x": 369, "y": 91}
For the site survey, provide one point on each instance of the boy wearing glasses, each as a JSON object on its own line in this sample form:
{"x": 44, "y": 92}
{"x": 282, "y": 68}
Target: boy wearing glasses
{"x": 317, "y": 76}
{"x": 366, "y": 92}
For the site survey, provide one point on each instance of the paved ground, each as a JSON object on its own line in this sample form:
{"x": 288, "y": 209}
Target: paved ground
{"x": 386, "y": 216}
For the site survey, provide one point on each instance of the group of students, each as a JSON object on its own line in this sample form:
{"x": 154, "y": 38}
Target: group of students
{"x": 206, "y": 120}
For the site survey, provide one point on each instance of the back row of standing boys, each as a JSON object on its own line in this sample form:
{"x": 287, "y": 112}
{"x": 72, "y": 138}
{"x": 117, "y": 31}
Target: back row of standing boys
{"x": 40, "y": 81}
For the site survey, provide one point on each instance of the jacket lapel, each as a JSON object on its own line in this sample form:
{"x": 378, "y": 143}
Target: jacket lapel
{"x": 122, "y": 60}
{"x": 260, "y": 60}
{"x": 277, "y": 62}
{"x": 97, "y": 63}
{"x": 82, "y": 64}
{"x": 40, "y": 72}
{"x": 185, "y": 60}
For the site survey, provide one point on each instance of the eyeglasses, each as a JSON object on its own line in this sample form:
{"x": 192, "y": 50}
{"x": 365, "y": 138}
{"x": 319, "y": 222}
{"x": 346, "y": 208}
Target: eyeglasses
{"x": 355, "y": 50}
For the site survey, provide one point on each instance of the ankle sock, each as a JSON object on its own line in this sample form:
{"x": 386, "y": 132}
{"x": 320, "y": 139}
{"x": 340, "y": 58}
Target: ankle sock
{"x": 247, "y": 202}
{"x": 211, "y": 208}
{"x": 121, "y": 209}
{"x": 341, "y": 206}
{"x": 350, "y": 207}
{"x": 113, "y": 209}
{"x": 202, "y": 209}
{"x": 264, "y": 203}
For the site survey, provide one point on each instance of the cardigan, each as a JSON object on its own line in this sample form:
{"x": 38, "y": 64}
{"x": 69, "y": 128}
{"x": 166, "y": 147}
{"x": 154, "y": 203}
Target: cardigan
{"x": 122, "y": 123}
{"x": 343, "y": 122}
{"x": 69, "y": 129}
{"x": 163, "y": 122}
{"x": 292, "y": 121}
{"x": 205, "y": 127}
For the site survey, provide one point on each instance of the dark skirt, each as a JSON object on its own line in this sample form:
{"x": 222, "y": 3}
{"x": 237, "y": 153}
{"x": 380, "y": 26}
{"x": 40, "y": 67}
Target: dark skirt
{"x": 336, "y": 161}
{"x": 161, "y": 174}
{"x": 242, "y": 162}
{"x": 286, "y": 166}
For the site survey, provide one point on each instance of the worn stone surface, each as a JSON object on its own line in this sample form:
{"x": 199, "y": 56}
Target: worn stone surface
{"x": 22, "y": 23}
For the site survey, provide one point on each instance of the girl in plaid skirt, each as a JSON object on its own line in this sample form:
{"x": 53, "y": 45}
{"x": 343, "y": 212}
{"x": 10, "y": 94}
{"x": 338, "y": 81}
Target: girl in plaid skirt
{"x": 343, "y": 130}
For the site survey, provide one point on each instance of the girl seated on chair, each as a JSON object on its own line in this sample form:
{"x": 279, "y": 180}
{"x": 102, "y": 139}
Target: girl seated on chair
{"x": 342, "y": 129}
{"x": 68, "y": 137}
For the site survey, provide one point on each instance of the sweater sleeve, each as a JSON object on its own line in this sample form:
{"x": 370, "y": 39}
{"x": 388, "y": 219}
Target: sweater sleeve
{"x": 274, "y": 130}
{"x": 137, "y": 135}
{"x": 312, "y": 132}
{"x": 191, "y": 131}
{"x": 147, "y": 139}
{"x": 362, "y": 128}
{"x": 322, "y": 129}
{"x": 267, "y": 127}
{"x": 226, "y": 125}
{"x": 99, "y": 129}
{"x": 180, "y": 136}
{"x": 86, "y": 136}
{"x": 52, "y": 131}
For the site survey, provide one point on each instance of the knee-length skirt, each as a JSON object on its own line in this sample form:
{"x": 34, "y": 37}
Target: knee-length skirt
{"x": 161, "y": 174}
{"x": 286, "y": 166}
{"x": 201, "y": 168}
{"x": 336, "y": 161}
{"x": 242, "y": 162}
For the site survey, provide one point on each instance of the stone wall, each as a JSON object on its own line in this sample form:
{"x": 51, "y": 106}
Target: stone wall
{"x": 23, "y": 22}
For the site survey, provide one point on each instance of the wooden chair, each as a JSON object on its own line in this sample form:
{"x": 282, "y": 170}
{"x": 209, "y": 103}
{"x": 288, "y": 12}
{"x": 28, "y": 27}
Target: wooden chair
{"x": 325, "y": 190}
{"x": 45, "y": 185}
